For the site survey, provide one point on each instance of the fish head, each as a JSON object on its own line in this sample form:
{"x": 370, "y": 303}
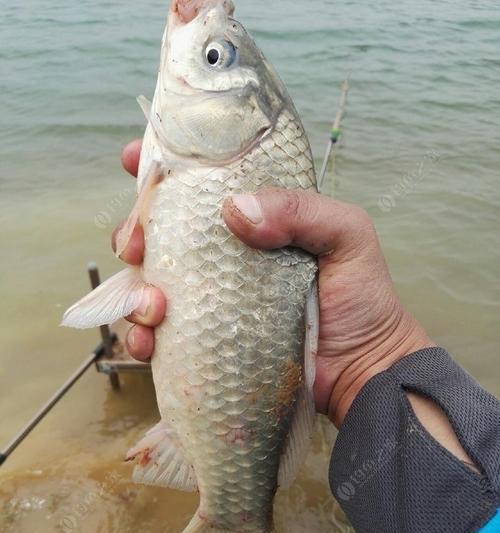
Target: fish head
{"x": 217, "y": 95}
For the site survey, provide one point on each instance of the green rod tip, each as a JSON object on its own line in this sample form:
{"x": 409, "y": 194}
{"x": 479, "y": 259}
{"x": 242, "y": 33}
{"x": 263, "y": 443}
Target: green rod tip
{"x": 335, "y": 134}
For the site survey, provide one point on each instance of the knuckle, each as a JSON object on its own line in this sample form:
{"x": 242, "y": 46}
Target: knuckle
{"x": 361, "y": 220}
{"x": 292, "y": 201}
{"x": 285, "y": 202}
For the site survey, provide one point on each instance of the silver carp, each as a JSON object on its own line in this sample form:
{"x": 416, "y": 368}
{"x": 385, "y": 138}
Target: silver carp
{"x": 234, "y": 360}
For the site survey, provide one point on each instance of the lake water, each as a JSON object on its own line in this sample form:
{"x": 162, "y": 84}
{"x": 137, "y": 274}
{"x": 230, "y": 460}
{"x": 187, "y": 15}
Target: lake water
{"x": 421, "y": 152}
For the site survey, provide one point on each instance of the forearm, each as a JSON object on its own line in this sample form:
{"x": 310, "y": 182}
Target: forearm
{"x": 419, "y": 450}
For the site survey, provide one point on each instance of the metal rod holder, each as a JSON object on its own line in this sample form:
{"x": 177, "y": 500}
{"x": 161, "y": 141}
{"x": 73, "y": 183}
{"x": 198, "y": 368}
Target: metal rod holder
{"x": 107, "y": 338}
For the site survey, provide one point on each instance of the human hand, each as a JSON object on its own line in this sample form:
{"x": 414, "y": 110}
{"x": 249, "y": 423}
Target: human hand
{"x": 151, "y": 311}
{"x": 364, "y": 329}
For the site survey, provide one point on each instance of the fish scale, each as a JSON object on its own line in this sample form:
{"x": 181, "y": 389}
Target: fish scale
{"x": 235, "y": 328}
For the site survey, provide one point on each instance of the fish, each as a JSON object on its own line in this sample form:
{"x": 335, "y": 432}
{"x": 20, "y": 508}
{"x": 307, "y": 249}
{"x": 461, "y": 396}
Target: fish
{"x": 234, "y": 360}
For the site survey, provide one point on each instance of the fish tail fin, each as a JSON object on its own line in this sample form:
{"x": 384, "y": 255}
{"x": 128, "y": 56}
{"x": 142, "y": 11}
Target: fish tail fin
{"x": 199, "y": 524}
{"x": 116, "y": 298}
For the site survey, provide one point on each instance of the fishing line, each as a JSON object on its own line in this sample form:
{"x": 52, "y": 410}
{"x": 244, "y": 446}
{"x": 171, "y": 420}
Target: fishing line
{"x": 335, "y": 133}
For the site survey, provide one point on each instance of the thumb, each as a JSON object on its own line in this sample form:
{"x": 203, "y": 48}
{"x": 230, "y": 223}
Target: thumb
{"x": 275, "y": 218}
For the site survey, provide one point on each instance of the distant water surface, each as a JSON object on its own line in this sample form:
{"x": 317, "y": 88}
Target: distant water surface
{"x": 421, "y": 152}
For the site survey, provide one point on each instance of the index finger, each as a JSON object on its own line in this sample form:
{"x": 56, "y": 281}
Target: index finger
{"x": 130, "y": 157}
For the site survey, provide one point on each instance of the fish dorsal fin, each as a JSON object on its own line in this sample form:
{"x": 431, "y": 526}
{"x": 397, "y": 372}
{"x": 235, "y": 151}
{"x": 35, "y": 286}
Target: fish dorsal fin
{"x": 302, "y": 427}
{"x": 116, "y": 298}
{"x": 160, "y": 461}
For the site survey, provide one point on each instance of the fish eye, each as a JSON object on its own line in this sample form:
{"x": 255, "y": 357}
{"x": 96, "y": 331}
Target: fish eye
{"x": 213, "y": 56}
{"x": 220, "y": 54}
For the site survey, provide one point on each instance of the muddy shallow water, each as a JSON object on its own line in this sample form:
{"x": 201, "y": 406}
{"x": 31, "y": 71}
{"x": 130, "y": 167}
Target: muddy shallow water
{"x": 77, "y": 479}
{"x": 420, "y": 153}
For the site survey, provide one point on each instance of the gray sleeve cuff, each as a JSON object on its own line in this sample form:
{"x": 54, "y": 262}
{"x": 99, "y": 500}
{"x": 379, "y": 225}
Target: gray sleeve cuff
{"x": 389, "y": 475}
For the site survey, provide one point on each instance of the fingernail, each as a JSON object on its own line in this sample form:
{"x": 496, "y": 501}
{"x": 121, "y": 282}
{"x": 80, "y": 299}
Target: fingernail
{"x": 131, "y": 336}
{"x": 145, "y": 304}
{"x": 249, "y": 207}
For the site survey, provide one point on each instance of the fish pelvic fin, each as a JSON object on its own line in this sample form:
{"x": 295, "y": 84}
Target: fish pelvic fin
{"x": 302, "y": 427}
{"x": 161, "y": 461}
{"x": 116, "y": 298}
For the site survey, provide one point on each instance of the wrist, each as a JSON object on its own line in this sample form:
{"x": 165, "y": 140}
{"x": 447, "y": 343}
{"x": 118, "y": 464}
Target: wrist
{"x": 402, "y": 337}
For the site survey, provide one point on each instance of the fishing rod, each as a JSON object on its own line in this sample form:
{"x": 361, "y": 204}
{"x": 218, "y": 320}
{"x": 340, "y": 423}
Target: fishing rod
{"x": 106, "y": 347}
{"x": 335, "y": 133}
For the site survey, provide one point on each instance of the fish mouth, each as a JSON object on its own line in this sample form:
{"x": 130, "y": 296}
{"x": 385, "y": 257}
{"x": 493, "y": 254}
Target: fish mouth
{"x": 185, "y": 11}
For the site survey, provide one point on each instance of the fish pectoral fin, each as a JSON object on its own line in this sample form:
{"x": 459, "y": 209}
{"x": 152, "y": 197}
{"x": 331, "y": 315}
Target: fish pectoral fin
{"x": 116, "y": 298}
{"x": 302, "y": 426}
{"x": 153, "y": 177}
{"x": 160, "y": 461}
{"x": 145, "y": 105}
